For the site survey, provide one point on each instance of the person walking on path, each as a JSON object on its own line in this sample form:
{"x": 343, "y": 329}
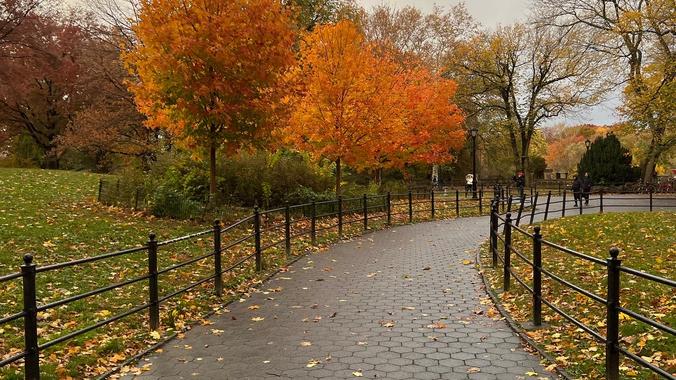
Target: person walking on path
{"x": 577, "y": 189}
{"x": 586, "y": 188}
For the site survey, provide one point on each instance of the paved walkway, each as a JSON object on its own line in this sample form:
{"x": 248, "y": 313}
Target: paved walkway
{"x": 402, "y": 303}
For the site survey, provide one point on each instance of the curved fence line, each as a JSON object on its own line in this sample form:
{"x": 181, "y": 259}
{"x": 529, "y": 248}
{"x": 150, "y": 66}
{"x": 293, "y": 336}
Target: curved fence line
{"x": 280, "y": 225}
{"x": 598, "y": 200}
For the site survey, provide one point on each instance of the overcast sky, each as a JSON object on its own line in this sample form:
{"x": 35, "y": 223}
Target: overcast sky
{"x": 494, "y": 12}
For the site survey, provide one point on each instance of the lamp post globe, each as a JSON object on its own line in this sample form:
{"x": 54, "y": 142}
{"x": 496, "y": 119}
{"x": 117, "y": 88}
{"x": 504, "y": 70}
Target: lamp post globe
{"x": 587, "y": 144}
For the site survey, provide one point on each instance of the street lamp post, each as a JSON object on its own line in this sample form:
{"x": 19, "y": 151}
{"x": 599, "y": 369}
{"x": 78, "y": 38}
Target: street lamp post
{"x": 473, "y": 132}
{"x": 587, "y": 143}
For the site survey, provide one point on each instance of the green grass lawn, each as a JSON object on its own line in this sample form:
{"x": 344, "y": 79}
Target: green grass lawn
{"x": 54, "y": 216}
{"x": 647, "y": 242}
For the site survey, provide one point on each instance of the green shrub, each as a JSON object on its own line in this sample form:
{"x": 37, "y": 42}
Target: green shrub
{"x": 168, "y": 202}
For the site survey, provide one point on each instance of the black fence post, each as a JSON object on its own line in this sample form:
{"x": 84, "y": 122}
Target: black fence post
{"x": 313, "y": 223}
{"x": 366, "y": 213}
{"x": 508, "y": 251}
{"x": 153, "y": 292}
{"x": 388, "y": 199}
{"x": 581, "y": 202}
{"x": 549, "y": 198}
{"x": 287, "y": 230}
{"x": 218, "y": 269}
{"x": 100, "y": 189}
{"x": 651, "y": 199}
{"x": 601, "y": 201}
{"x": 509, "y": 203}
{"x": 613, "y": 316}
{"x": 518, "y": 218}
{"x": 340, "y": 216}
{"x": 559, "y": 186}
{"x": 533, "y": 207}
{"x": 494, "y": 233}
{"x": 457, "y": 203}
{"x": 563, "y": 209}
{"x": 432, "y": 202}
{"x": 481, "y": 196}
{"x": 257, "y": 239}
{"x": 410, "y": 207}
{"x": 30, "y": 328}
{"x": 537, "y": 277}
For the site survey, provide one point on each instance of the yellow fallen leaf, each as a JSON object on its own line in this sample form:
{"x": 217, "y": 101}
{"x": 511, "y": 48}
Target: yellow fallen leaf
{"x": 467, "y": 262}
{"x": 155, "y": 334}
{"x": 257, "y": 319}
{"x": 312, "y": 363}
{"x": 531, "y": 373}
{"x": 357, "y": 374}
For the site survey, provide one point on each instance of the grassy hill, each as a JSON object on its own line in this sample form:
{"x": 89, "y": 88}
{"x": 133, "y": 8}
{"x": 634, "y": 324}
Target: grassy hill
{"x": 647, "y": 242}
{"x": 53, "y": 214}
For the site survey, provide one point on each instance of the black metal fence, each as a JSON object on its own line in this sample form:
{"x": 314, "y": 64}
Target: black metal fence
{"x": 264, "y": 234}
{"x": 614, "y": 267}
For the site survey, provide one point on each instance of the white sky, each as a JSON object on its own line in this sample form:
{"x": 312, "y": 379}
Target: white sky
{"x": 488, "y": 12}
{"x": 495, "y": 12}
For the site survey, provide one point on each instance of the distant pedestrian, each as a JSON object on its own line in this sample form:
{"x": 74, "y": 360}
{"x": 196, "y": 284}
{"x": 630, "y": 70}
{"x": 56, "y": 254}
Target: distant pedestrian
{"x": 586, "y": 188}
{"x": 520, "y": 182}
{"x": 577, "y": 189}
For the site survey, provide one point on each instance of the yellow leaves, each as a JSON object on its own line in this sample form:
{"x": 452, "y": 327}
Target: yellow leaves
{"x": 387, "y": 324}
{"x": 253, "y": 307}
{"x": 155, "y": 335}
{"x": 357, "y": 373}
{"x": 437, "y": 325}
{"x": 312, "y": 363}
{"x": 466, "y": 262}
{"x": 305, "y": 343}
{"x": 257, "y": 319}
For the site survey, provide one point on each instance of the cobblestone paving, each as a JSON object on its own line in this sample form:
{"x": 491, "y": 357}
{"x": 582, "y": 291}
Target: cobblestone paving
{"x": 403, "y": 303}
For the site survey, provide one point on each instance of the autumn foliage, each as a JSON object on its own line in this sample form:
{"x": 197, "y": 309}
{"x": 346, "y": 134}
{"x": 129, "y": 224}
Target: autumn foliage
{"x": 205, "y": 74}
{"x": 351, "y": 105}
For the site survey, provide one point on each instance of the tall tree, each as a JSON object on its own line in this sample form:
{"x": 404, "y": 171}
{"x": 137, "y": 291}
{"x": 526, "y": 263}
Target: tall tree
{"x": 608, "y": 162}
{"x": 41, "y": 80}
{"x": 353, "y": 106}
{"x": 339, "y": 110}
{"x": 640, "y": 35}
{"x": 524, "y": 75}
{"x": 310, "y": 13}
{"x": 206, "y": 73}
{"x": 413, "y": 36}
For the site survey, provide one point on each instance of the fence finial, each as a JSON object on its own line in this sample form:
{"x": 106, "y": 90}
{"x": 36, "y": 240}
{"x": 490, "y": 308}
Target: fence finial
{"x": 614, "y": 252}
{"x": 28, "y": 259}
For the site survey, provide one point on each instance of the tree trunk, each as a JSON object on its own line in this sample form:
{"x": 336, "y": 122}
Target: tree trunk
{"x": 212, "y": 169}
{"x": 338, "y": 179}
{"x": 649, "y": 167}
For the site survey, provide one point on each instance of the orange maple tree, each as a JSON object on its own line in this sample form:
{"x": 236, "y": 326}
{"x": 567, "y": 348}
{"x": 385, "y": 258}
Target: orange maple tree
{"x": 208, "y": 69}
{"x": 432, "y": 123}
{"x": 353, "y": 106}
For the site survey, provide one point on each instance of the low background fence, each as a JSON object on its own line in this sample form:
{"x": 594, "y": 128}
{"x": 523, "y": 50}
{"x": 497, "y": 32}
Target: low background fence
{"x": 503, "y": 251}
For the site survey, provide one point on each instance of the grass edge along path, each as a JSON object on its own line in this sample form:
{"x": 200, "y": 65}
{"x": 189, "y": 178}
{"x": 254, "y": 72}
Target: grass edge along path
{"x": 638, "y": 235}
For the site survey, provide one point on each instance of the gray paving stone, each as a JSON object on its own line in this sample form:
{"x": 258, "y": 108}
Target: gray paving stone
{"x": 375, "y": 277}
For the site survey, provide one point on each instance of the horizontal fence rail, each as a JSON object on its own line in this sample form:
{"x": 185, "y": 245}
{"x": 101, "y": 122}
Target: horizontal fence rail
{"x": 593, "y": 202}
{"x": 258, "y": 233}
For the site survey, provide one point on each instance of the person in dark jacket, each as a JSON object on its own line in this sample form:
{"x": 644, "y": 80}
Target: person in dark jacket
{"x": 586, "y": 188}
{"x": 577, "y": 189}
